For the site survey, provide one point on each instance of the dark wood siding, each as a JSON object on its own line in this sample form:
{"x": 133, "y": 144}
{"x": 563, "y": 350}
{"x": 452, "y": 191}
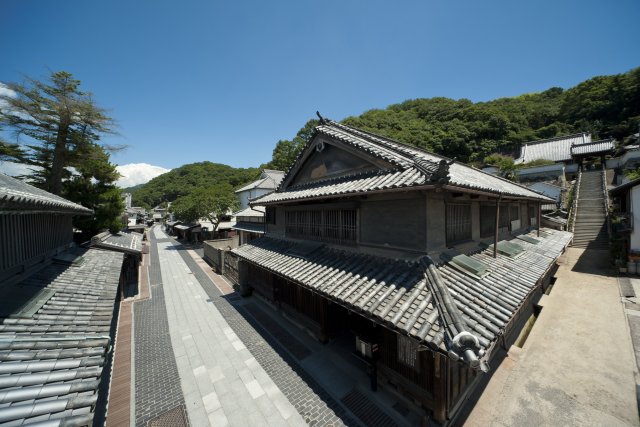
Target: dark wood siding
{"x": 24, "y": 237}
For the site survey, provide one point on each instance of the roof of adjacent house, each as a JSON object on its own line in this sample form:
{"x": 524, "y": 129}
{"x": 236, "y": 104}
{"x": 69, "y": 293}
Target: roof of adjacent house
{"x": 18, "y": 195}
{"x": 54, "y": 336}
{"x": 395, "y": 293}
{"x": 251, "y": 227}
{"x": 602, "y": 146}
{"x": 557, "y": 149}
{"x": 623, "y": 187}
{"x": 412, "y": 167}
{"x": 257, "y": 211}
{"x": 269, "y": 180}
{"x": 129, "y": 242}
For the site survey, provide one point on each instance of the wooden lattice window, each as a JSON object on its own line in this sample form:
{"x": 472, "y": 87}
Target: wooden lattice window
{"x": 407, "y": 351}
{"x": 270, "y": 216}
{"x": 487, "y": 220}
{"x": 329, "y": 225}
{"x": 458, "y": 223}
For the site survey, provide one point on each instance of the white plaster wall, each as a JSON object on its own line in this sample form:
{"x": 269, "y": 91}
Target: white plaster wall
{"x": 247, "y": 195}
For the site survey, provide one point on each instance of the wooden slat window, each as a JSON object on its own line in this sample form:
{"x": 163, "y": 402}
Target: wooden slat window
{"x": 407, "y": 352}
{"x": 330, "y": 225}
{"x": 458, "y": 223}
{"x": 487, "y": 220}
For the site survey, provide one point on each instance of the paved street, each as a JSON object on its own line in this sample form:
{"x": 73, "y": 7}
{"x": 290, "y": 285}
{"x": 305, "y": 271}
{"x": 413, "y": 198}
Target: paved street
{"x": 577, "y": 365}
{"x": 199, "y": 359}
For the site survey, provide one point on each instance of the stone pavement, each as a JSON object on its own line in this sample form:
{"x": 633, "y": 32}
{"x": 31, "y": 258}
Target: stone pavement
{"x": 222, "y": 382}
{"x": 156, "y": 380}
{"x": 577, "y": 365}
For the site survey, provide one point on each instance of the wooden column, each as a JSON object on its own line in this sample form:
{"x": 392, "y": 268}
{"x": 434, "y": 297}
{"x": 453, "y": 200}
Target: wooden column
{"x": 495, "y": 234}
{"x": 324, "y": 324}
{"x": 539, "y": 215}
{"x": 440, "y": 387}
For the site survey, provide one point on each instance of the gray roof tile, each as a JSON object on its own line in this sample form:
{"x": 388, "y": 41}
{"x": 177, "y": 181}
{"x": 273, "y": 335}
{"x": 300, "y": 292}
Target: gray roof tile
{"x": 557, "y": 149}
{"x": 123, "y": 241}
{"x": 52, "y": 358}
{"x": 396, "y": 292}
{"x": 413, "y": 167}
{"x": 18, "y": 195}
{"x": 603, "y": 146}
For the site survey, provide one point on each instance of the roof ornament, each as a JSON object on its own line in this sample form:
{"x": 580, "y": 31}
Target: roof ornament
{"x": 441, "y": 174}
{"x": 462, "y": 344}
{"x": 323, "y": 121}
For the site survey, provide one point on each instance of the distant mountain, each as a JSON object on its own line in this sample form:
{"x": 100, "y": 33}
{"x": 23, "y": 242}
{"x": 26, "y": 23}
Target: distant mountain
{"x": 183, "y": 180}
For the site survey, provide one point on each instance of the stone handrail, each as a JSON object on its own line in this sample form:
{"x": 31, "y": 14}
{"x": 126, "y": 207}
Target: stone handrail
{"x": 606, "y": 199}
{"x": 574, "y": 202}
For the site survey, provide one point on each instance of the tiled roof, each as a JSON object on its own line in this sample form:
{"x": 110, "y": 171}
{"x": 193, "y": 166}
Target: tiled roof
{"x": 252, "y": 227}
{"x": 603, "y": 146}
{"x": 54, "y": 336}
{"x": 129, "y": 242}
{"x": 270, "y": 179}
{"x": 412, "y": 167}
{"x": 395, "y": 292}
{"x": 557, "y": 149}
{"x": 257, "y": 212}
{"x": 17, "y": 195}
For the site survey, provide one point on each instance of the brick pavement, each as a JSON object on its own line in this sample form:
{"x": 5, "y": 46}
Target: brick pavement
{"x": 157, "y": 383}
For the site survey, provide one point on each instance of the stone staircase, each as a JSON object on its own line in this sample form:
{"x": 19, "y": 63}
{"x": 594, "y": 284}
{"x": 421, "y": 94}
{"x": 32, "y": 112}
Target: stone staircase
{"x": 590, "y": 229}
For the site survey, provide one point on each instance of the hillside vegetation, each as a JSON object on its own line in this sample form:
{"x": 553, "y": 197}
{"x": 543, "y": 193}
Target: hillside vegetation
{"x": 186, "y": 179}
{"x": 607, "y": 106}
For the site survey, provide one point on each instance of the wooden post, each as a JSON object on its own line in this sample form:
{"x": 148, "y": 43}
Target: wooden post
{"x": 495, "y": 234}
{"x": 440, "y": 387}
{"x": 538, "y": 221}
{"x": 324, "y": 324}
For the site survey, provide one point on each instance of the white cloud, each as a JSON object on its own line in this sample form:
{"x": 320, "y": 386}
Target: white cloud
{"x": 15, "y": 169}
{"x": 132, "y": 173}
{"x": 4, "y": 90}
{"x": 138, "y": 173}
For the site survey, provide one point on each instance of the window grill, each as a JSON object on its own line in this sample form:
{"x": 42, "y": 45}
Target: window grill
{"x": 407, "y": 351}
{"x": 487, "y": 220}
{"x": 458, "y": 223}
{"x": 330, "y": 225}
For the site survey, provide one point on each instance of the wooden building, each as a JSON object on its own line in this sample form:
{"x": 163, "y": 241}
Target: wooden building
{"x": 430, "y": 265}
{"x": 58, "y": 312}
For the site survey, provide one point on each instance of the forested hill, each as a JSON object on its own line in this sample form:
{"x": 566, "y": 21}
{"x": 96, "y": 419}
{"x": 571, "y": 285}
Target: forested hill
{"x": 183, "y": 180}
{"x": 606, "y": 106}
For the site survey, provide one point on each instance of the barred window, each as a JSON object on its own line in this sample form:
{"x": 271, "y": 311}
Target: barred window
{"x": 504, "y": 216}
{"x": 270, "y": 216}
{"x": 330, "y": 225}
{"x": 515, "y": 212}
{"x": 458, "y": 223}
{"x": 487, "y": 220}
{"x": 407, "y": 351}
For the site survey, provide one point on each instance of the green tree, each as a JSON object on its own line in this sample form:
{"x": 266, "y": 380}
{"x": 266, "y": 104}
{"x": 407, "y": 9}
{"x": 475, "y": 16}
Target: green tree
{"x": 286, "y": 151}
{"x": 211, "y": 203}
{"x": 92, "y": 185}
{"x": 59, "y": 127}
{"x": 58, "y": 119}
{"x": 505, "y": 165}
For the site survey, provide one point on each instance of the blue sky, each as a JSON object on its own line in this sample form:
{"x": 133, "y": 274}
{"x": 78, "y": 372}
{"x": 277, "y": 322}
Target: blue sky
{"x": 224, "y": 81}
